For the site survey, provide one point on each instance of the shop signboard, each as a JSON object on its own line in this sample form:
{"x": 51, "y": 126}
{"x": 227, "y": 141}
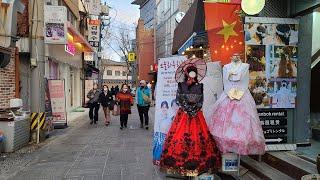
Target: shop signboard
{"x": 272, "y": 52}
{"x": 94, "y": 33}
{"x": 274, "y": 124}
{"x": 70, "y": 48}
{"x": 88, "y": 56}
{"x": 58, "y": 101}
{"x": 166, "y": 106}
{"x": 55, "y": 28}
{"x": 94, "y": 7}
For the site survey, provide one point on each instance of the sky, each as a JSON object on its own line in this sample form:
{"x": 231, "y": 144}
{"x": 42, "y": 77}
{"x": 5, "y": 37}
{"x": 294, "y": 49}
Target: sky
{"x": 123, "y": 14}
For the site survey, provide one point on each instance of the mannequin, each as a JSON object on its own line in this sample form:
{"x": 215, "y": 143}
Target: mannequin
{"x": 234, "y": 122}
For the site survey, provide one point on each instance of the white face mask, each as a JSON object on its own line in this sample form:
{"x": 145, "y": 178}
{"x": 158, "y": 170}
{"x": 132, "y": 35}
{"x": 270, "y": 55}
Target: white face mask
{"x": 192, "y": 74}
{"x": 125, "y": 89}
{"x": 105, "y": 89}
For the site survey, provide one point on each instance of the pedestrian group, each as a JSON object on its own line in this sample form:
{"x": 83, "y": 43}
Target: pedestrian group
{"x": 119, "y": 102}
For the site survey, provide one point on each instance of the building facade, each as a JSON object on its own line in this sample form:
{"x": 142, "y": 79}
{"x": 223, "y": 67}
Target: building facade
{"x": 147, "y": 11}
{"x": 145, "y": 51}
{"x": 115, "y": 73}
{"x": 165, "y": 21}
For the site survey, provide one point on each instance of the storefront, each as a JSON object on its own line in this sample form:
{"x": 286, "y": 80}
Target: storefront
{"x": 65, "y": 62}
{"x": 298, "y": 129}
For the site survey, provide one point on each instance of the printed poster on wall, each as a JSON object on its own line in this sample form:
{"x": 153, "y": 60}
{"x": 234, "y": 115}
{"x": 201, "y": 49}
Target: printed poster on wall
{"x": 58, "y": 102}
{"x": 55, "y": 28}
{"x": 166, "y": 106}
{"x": 272, "y": 52}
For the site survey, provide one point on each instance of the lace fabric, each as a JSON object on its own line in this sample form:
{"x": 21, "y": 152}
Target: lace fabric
{"x": 190, "y": 100}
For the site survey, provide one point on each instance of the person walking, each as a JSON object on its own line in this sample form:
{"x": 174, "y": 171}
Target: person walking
{"x": 125, "y": 100}
{"x": 106, "y": 100}
{"x": 116, "y": 89}
{"x": 93, "y": 103}
{"x": 143, "y": 99}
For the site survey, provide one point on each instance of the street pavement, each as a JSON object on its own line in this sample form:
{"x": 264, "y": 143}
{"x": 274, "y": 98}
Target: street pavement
{"x": 97, "y": 152}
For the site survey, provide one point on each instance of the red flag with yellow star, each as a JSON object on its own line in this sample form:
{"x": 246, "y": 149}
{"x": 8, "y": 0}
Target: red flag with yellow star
{"x": 225, "y": 30}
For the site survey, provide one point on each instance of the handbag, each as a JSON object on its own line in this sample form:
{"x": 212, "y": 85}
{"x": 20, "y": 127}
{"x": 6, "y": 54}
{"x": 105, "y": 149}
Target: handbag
{"x": 116, "y": 110}
{"x": 146, "y": 98}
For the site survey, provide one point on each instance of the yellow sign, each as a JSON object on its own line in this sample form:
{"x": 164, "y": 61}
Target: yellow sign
{"x": 35, "y": 117}
{"x": 131, "y": 57}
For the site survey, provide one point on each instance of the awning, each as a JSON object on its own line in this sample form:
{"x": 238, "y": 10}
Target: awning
{"x": 193, "y": 22}
{"x": 78, "y": 38}
{"x": 196, "y": 39}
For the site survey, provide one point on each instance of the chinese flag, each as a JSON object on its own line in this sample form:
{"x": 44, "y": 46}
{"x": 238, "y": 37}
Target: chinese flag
{"x": 225, "y": 30}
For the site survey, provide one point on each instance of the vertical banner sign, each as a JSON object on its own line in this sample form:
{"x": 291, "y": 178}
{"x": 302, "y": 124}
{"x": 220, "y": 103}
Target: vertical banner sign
{"x": 55, "y": 29}
{"x": 272, "y": 52}
{"x": 58, "y": 102}
{"x": 166, "y": 106}
{"x": 94, "y": 33}
{"x": 225, "y": 30}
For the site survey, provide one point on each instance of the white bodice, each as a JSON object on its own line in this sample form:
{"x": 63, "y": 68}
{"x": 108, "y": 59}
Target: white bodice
{"x": 240, "y": 81}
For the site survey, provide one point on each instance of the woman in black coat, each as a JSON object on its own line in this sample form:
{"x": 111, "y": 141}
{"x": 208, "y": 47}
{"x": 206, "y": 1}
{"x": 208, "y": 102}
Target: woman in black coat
{"x": 107, "y": 102}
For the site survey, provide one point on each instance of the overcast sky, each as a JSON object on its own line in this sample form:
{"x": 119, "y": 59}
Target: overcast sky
{"x": 122, "y": 13}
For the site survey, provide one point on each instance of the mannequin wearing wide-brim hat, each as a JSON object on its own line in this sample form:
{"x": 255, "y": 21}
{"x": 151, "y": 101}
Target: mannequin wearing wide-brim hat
{"x": 189, "y": 148}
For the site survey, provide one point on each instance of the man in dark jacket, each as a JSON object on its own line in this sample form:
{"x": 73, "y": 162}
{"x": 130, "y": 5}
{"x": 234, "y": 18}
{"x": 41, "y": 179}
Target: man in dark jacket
{"x": 93, "y": 103}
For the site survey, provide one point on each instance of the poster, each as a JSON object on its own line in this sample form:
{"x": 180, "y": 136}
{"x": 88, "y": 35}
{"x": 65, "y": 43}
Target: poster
{"x": 55, "y": 29}
{"x": 57, "y": 95}
{"x": 166, "y": 106}
{"x": 272, "y": 52}
{"x": 212, "y": 87}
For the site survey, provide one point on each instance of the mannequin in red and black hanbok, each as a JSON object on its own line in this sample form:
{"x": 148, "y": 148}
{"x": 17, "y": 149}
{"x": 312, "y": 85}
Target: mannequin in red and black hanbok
{"x": 190, "y": 149}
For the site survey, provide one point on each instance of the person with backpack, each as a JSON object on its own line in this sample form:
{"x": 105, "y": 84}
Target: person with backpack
{"x": 143, "y": 100}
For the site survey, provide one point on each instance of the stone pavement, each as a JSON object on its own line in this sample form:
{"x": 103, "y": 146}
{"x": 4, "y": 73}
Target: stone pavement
{"x": 96, "y": 152}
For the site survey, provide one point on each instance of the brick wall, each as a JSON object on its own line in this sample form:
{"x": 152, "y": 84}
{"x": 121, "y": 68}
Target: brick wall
{"x": 7, "y": 82}
{"x": 145, "y": 51}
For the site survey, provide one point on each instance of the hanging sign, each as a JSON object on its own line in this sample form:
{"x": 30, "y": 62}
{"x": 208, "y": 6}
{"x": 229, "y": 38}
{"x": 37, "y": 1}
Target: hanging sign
{"x": 131, "y": 57}
{"x": 272, "y": 52}
{"x": 94, "y": 33}
{"x": 94, "y": 7}
{"x": 55, "y": 29}
{"x": 166, "y": 106}
{"x": 88, "y": 56}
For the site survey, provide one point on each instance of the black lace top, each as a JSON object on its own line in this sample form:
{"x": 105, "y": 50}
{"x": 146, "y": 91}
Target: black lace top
{"x": 190, "y": 99}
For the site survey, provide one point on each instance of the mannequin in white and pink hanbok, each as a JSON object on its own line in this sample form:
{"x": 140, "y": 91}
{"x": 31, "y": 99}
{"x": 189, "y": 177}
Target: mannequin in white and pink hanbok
{"x": 234, "y": 122}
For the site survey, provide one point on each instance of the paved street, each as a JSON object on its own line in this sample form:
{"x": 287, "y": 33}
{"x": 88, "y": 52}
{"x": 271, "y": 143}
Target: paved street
{"x": 95, "y": 152}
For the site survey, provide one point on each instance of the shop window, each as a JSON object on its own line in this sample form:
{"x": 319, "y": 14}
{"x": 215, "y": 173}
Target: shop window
{"x": 124, "y": 73}
{"x": 109, "y": 72}
{"x": 117, "y": 73}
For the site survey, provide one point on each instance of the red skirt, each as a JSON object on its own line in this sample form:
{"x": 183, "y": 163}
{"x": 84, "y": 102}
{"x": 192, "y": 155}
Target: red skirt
{"x": 190, "y": 149}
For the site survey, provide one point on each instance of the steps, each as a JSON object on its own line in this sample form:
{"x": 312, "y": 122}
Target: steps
{"x": 279, "y": 165}
{"x": 263, "y": 170}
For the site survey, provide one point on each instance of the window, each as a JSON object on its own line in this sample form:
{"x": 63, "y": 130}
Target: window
{"x": 109, "y": 72}
{"x": 124, "y": 73}
{"x": 117, "y": 73}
